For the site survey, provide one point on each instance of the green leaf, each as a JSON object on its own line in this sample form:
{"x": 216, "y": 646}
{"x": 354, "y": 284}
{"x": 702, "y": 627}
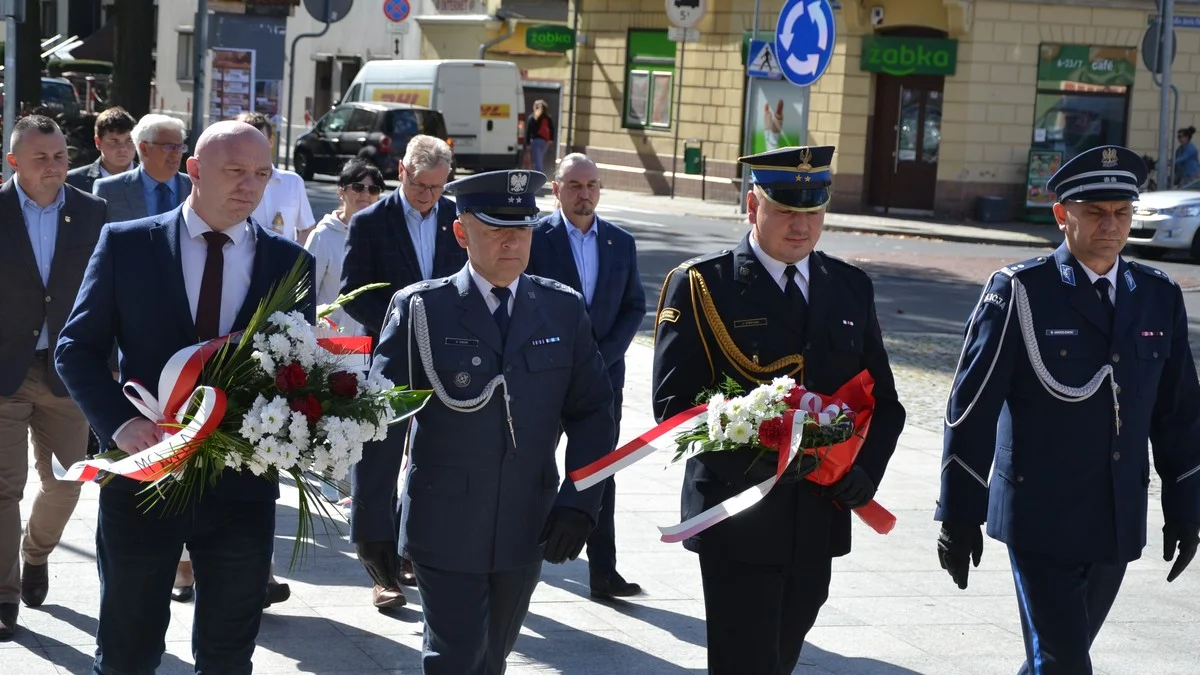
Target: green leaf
{"x": 340, "y": 301}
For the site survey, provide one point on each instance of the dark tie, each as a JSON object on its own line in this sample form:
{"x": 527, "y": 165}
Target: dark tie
{"x": 791, "y": 289}
{"x": 501, "y": 314}
{"x": 164, "y": 198}
{"x": 1101, "y": 285}
{"x": 208, "y": 308}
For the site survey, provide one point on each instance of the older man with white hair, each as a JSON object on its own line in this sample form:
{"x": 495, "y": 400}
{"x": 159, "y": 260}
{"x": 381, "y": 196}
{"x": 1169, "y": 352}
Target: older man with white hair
{"x": 156, "y": 186}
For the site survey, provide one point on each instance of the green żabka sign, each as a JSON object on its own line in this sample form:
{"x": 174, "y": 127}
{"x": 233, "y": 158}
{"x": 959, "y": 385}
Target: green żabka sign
{"x": 1089, "y": 65}
{"x": 909, "y": 56}
{"x": 550, "y": 38}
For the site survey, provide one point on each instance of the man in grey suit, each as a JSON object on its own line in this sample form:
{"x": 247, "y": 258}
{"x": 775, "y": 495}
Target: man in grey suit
{"x": 114, "y": 141}
{"x": 155, "y": 187}
{"x": 47, "y": 233}
{"x": 511, "y": 358}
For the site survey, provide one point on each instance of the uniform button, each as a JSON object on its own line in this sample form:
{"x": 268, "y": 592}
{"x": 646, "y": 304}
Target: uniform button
{"x": 1117, "y": 388}
{"x": 1062, "y": 352}
{"x": 1116, "y": 456}
{"x": 1154, "y": 354}
{"x": 1116, "y": 358}
{"x": 508, "y": 369}
{"x": 1020, "y": 479}
{"x": 47, "y": 298}
{"x": 36, "y": 332}
{"x": 476, "y": 361}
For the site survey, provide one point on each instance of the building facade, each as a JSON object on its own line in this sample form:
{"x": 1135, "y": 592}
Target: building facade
{"x": 932, "y": 104}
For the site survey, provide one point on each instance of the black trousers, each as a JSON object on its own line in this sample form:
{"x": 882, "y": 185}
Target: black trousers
{"x": 757, "y": 616}
{"x": 1063, "y": 605}
{"x": 472, "y": 620}
{"x": 602, "y": 542}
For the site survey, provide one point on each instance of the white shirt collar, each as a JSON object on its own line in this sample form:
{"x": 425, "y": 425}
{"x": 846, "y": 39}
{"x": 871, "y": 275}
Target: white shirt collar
{"x": 409, "y": 208}
{"x": 1111, "y": 275}
{"x": 776, "y": 268}
{"x": 571, "y": 228}
{"x": 196, "y": 227}
{"x": 485, "y": 287}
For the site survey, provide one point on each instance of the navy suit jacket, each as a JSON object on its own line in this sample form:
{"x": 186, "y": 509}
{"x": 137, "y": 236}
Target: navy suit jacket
{"x": 619, "y": 301}
{"x": 380, "y": 249}
{"x": 133, "y": 293}
{"x": 127, "y": 199}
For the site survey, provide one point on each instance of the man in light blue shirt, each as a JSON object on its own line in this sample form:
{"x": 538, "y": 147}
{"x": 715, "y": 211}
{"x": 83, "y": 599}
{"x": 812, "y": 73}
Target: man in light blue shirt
{"x": 42, "y": 224}
{"x": 422, "y": 227}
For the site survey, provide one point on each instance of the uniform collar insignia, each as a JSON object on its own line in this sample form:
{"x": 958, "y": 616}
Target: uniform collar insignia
{"x": 1129, "y": 280}
{"x": 1068, "y": 274}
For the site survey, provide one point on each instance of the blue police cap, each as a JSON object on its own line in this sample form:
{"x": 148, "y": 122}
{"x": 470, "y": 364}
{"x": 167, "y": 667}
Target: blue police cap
{"x": 797, "y": 178}
{"x": 1109, "y": 173}
{"x": 499, "y": 198}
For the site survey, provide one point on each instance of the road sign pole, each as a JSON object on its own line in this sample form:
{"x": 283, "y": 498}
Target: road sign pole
{"x": 1165, "y": 154}
{"x": 291, "y": 96}
{"x": 200, "y": 52}
{"x": 747, "y": 119}
{"x": 678, "y": 102}
{"x": 10, "y": 75}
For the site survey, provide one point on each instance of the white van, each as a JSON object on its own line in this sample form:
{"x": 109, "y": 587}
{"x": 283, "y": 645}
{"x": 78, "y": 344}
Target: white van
{"x": 481, "y": 102}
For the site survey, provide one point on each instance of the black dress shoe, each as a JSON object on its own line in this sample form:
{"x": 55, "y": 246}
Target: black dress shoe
{"x": 182, "y": 593}
{"x": 8, "y": 619}
{"x": 35, "y": 584}
{"x": 277, "y": 593}
{"x": 612, "y": 585}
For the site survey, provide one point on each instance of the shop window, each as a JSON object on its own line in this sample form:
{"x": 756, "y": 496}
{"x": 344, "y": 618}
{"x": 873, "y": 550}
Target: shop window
{"x": 1082, "y": 98}
{"x": 185, "y": 57}
{"x": 649, "y": 79}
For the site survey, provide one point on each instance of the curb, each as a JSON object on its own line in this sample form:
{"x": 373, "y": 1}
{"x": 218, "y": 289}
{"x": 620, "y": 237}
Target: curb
{"x": 934, "y": 236}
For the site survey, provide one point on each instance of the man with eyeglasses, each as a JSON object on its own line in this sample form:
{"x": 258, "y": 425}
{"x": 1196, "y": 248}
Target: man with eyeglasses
{"x": 401, "y": 240}
{"x": 157, "y": 186}
{"x": 113, "y": 140}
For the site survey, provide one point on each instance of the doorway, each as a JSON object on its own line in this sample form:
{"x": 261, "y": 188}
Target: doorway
{"x": 906, "y": 140}
{"x": 322, "y": 89}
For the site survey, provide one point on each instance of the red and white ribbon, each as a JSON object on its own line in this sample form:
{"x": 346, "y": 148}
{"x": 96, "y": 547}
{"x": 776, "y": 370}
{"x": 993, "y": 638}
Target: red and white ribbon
{"x": 641, "y": 447}
{"x": 353, "y": 352}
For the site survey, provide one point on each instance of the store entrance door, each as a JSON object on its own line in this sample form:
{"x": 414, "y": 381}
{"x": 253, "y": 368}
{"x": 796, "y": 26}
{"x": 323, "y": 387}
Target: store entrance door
{"x": 905, "y": 142}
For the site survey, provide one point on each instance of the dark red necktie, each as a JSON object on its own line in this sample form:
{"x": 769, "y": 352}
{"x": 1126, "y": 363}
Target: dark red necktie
{"x": 208, "y": 308}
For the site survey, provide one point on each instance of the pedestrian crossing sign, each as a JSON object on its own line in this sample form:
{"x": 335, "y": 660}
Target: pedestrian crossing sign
{"x": 762, "y": 62}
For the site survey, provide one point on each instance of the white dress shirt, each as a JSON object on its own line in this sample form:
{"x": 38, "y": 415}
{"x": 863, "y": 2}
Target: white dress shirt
{"x": 1112, "y": 280}
{"x": 485, "y": 287}
{"x": 239, "y": 264}
{"x": 775, "y": 269}
{"x": 284, "y": 197}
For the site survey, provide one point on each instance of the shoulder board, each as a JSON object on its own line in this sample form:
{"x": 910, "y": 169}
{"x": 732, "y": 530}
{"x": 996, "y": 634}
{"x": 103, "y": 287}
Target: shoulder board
{"x": 1017, "y": 268}
{"x": 422, "y": 286}
{"x": 1151, "y": 272}
{"x": 716, "y": 255}
{"x": 841, "y": 264}
{"x": 555, "y": 285}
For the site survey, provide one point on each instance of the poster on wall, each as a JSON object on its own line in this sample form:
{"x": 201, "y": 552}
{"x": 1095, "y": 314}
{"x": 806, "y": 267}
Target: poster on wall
{"x": 777, "y": 115}
{"x": 1042, "y": 165}
{"x": 266, "y": 98}
{"x": 232, "y": 77}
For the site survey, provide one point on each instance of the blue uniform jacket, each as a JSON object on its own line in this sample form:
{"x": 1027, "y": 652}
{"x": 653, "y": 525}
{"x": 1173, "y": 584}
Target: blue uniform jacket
{"x": 1066, "y": 483}
{"x": 472, "y": 501}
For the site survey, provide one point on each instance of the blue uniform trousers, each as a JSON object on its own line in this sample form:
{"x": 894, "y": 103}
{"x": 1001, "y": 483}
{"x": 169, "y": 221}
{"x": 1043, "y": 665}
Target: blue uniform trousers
{"x": 230, "y": 544}
{"x": 1063, "y": 605}
{"x": 472, "y": 620}
{"x": 602, "y": 542}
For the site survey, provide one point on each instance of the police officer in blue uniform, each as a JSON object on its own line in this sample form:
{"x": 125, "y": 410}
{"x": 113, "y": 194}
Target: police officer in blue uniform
{"x": 510, "y": 358}
{"x": 772, "y": 306}
{"x": 1071, "y": 363}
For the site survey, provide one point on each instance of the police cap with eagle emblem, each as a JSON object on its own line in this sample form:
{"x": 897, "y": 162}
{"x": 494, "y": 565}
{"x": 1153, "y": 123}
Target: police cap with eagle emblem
{"x": 796, "y": 178}
{"x": 1109, "y": 173}
{"x": 499, "y": 198}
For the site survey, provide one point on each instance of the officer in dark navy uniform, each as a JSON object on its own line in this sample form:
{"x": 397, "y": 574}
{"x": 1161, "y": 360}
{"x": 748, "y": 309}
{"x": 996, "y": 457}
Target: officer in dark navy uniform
{"x": 772, "y": 306}
{"x": 510, "y": 358}
{"x": 1072, "y": 363}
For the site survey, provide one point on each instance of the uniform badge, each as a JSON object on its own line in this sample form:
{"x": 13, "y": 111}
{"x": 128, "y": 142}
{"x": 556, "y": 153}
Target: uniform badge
{"x": 66, "y": 219}
{"x": 1129, "y": 280}
{"x": 847, "y": 322}
{"x": 546, "y": 341}
{"x": 750, "y": 323}
{"x": 461, "y": 342}
{"x": 1152, "y": 333}
{"x": 517, "y": 182}
{"x": 995, "y": 299}
{"x": 1068, "y": 274}
{"x": 1061, "y": 332}
{"x": 462, "y": 379}
{"x": 1108, "y": 158}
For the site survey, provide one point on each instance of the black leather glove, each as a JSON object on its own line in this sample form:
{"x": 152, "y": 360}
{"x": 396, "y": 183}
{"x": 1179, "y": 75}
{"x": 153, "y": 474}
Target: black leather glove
{"x": 1185, "y": 537}
{"x": 958, "y": 545}
{"x": 565, "y": 533}
{"x": 381, "y": 561}
{"x": 854, "y": 489}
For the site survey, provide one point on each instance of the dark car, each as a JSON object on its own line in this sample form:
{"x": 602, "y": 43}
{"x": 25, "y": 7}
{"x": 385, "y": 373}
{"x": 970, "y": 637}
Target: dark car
{"x": 378, "y": 132}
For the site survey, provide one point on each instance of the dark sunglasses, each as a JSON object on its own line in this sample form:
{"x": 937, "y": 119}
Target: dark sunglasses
{"x": 359, "y": 187}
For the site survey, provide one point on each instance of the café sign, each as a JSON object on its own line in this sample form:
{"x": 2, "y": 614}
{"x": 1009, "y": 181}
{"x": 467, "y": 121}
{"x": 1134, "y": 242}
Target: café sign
{"x": 1087, "y": 64}
{"x": 909, "y": 56}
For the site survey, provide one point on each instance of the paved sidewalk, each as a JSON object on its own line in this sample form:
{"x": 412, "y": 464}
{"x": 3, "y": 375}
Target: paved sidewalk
{"x": 891, "y": 611}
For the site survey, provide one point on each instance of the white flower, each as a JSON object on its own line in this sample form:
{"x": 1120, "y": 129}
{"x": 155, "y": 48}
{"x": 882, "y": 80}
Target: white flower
{"x": 279, "y": 346}
{"x": 298, "y": 430}
{"x": 740, "y": 432}
{"x": 264, "y": 361}
{"x": 273, "y": 415}
{"x": 736, "y": 410}
{"x": 780, "y": 387}
{"x": 715, "y": 432}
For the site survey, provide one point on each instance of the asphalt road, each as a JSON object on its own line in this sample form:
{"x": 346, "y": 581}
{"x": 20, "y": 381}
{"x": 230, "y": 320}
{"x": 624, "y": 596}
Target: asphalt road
{"x": 921, "y": 286}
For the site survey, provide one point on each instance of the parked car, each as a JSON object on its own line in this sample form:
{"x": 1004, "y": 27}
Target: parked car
{"x": 1166, "y": 220}
{"x": 378, "y": 132}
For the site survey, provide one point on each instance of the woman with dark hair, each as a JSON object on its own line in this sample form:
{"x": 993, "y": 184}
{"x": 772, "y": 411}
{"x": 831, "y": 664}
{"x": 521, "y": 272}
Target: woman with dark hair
{"x": 1187, "y": 159}
{"x": 539, "y": 133}
{"x": 359, "y": 186}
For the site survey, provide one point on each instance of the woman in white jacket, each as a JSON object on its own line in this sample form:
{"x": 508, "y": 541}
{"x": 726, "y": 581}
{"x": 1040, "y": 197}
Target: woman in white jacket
{"x": 359, "y": 186}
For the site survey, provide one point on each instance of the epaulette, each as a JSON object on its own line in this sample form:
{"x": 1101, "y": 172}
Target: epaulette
{"x": 555, "y": 285}
{"x": 1018, "y": 267}
{"x": 703, "y": 258}
{"x": 422, "y": 286}
{"x": 840, "y": 263}
{"x": 1152, "y": 272}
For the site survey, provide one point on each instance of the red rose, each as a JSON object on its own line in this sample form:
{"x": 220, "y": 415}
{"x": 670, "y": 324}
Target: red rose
{"x": 771, "y": 433}
{"x": 290, "y": 377}
{"x": 307, "y": 405}
{"x": 343, "y": 384}
{"x": 792, "y": 399}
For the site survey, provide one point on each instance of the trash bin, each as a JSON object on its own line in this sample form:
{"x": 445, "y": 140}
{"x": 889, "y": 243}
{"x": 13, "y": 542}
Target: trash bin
{"x": 692, "y": 153}
{"x": 991, "y": 209}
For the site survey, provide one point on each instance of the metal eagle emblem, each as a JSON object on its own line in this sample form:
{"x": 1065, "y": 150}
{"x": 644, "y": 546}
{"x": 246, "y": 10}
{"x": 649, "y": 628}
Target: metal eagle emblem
{"x": 1108, "y": 158}
{"x": 517, "y": 183}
